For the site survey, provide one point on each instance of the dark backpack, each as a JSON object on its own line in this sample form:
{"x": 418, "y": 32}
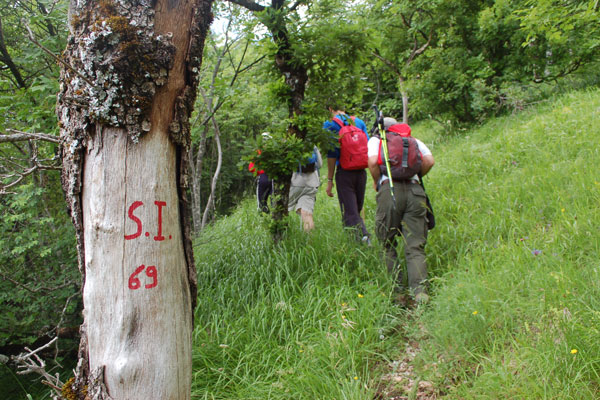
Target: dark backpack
{"x": 353, "y": 145}
{"x": 310, "y": 164}
{"x": 403, "y": 154}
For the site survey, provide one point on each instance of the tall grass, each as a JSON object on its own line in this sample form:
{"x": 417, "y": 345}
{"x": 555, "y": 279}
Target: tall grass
{"x": 517, "y": 257}
{"x": 514, "y": 262}
{"x": 304, "y": 319}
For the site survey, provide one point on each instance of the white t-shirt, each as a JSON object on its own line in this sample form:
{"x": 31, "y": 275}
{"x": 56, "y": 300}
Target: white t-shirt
{"x": 373, "y": 150}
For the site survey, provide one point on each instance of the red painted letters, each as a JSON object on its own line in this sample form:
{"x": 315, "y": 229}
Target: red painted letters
{"x": 132, "y": 208}
{"x": 151, "y": 272}
{"x": 159, "y": 235}
{"x": 160, "y": 204}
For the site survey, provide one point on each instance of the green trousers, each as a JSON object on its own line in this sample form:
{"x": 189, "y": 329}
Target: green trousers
{"x": 405, "y": 219}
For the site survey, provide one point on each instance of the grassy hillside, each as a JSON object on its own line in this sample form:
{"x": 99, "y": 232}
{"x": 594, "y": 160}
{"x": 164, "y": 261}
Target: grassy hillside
{"x": 515, "y": 268}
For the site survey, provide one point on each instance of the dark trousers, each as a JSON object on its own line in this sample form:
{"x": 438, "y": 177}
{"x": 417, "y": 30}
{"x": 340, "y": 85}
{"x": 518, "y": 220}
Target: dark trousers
{"x": 406, "y": 219}
{"x": 351, "y": 185}
{"x": 264, "y": 188}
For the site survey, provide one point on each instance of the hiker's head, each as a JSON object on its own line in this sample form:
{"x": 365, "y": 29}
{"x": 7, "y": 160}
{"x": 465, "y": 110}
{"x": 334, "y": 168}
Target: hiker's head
{"x": 389, "y": 121}
{"x": 334, "y": 107}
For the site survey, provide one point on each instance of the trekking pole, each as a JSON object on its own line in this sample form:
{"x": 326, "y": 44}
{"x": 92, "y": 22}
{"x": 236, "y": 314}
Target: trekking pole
{"x": 383, "y": 138}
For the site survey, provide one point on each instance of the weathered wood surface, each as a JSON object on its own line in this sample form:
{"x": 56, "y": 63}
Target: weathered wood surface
{"x": 138, "y": 326}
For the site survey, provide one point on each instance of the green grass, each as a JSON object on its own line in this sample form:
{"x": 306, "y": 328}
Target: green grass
{"x": 515, "y": 269}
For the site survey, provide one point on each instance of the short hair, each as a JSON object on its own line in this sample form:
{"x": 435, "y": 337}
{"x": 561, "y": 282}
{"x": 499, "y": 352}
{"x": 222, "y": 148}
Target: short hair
{"x": 335, "y": 105}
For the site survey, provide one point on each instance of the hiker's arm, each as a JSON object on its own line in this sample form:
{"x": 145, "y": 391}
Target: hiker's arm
{"x": 374, "y": 170}
{"x": 426, "y": 164}
{"x": 330, "y": 173}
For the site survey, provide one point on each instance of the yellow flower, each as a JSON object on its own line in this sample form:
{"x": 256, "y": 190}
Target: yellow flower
{"x": 301, "y": 351}
{"x": 574, "y": 351}
{"x": 356, "y": 378}
{"x": 360, "y": 296}
{"x": 475, "y": 312}
{"x": 343, "y": 304}
{"x": 562, "y": 210}
{"x": 343, "y": 316}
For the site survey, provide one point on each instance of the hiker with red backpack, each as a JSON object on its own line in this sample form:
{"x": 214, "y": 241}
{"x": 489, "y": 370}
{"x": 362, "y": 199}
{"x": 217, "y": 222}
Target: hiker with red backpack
{"x": 347, "y": 163}
{"x": 397, "y": 161}
{"x": 264, "y": 185}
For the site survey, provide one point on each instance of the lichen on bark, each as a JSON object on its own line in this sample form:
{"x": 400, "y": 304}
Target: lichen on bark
{"x": 120, "y": 64}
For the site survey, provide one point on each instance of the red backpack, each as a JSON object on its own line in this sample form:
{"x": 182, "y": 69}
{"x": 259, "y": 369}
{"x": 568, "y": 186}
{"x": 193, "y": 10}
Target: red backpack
{"x": 353, "y": 145}
{"x": 403, "y": 153}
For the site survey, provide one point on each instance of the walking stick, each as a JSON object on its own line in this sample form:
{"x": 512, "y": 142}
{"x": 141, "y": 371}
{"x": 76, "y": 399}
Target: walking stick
{"x": 383, "y": 138}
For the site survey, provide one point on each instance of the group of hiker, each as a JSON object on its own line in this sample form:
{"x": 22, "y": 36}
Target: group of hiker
{"x": 396, "y": 162}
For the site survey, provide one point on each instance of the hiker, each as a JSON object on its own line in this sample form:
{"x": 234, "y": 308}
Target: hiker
{"x": 304, "y": 187}
{"x": 347, "y": 162}
{"x": 264, "y": 185}
{"x": 403, "y": 213}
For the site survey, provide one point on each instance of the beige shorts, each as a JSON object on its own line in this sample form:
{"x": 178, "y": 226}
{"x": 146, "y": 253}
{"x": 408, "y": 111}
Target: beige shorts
{"x": 302, "y": 197}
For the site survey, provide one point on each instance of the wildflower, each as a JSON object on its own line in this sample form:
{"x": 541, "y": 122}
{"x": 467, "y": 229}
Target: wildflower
{"x": 475, "y": 312}
{"x": 562, "y": 210}
{"x": 574, "y": 351}
{"x": 360, "y": 296}
{"x": 524, "y": 238}
{"x": 536, "y": 252}
{"x": 301, "y": 351}
{"x": 356, "y": 378}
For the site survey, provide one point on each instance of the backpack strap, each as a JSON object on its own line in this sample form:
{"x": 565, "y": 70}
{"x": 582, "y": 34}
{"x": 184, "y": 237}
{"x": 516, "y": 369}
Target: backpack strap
{"x": 405, "y": 152}
{"x": 343, "y": 123}
{"x": 338, "y": 121}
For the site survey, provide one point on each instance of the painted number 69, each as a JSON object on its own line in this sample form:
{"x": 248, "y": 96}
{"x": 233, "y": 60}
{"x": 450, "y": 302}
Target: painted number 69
{"x": 134, "y": 282}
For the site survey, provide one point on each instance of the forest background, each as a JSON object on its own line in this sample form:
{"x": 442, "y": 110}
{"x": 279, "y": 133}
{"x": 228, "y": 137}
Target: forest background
{"x": 452, "y": 65}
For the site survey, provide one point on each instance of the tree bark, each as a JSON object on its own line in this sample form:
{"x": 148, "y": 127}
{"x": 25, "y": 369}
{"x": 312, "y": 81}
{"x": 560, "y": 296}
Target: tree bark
{"x": 125, "y": 141}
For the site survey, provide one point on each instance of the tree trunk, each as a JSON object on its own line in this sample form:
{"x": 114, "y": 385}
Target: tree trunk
{"x": 404, "y": 99}
{"x": 125, "y": 141}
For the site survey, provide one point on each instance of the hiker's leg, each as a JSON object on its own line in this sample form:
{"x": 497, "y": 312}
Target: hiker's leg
{"x": 308, "y": 223}
{"x": 415, "y": 237}
{"x": 346, "y": 183}
{"x": 263, "y": 191}
{"x": 361, "y": 185}
{"x": 386, "y": 230}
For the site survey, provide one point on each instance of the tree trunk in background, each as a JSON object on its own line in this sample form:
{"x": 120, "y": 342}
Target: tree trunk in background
{"x": 125, "y": 139}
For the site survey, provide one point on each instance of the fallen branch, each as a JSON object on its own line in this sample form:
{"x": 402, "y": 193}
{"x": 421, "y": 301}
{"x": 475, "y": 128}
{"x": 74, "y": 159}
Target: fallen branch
{"x": 31, "y": 363}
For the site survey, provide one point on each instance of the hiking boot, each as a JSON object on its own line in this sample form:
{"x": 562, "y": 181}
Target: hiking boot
{"x": 422, "y": 298}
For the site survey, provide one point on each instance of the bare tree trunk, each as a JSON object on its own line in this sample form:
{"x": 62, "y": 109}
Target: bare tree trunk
{"x": 210, "y": 204}
{"x": 125, "y": 141}
{"x": 404, "y": 99}
{"x": 196, "y": 178}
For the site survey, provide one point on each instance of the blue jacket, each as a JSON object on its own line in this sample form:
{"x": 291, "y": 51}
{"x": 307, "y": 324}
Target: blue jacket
{"x": 335, "y": 129}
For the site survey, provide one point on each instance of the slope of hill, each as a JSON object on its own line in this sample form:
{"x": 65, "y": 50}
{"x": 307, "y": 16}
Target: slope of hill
{"x": 514, "y": 264}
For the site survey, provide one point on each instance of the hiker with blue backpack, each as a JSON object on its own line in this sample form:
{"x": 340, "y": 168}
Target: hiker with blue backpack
{"x": 304, "y": 187}
{"x": 397, "y": 161}
{"x": 347, "y": 163}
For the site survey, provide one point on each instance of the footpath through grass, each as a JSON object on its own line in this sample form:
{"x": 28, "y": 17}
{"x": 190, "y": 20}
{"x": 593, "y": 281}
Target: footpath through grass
{"x": 515, "y": 267}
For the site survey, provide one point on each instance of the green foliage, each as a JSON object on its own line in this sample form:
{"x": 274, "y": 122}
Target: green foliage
{"x": 38, "y": 271}
{"x": 279, "y": 154}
